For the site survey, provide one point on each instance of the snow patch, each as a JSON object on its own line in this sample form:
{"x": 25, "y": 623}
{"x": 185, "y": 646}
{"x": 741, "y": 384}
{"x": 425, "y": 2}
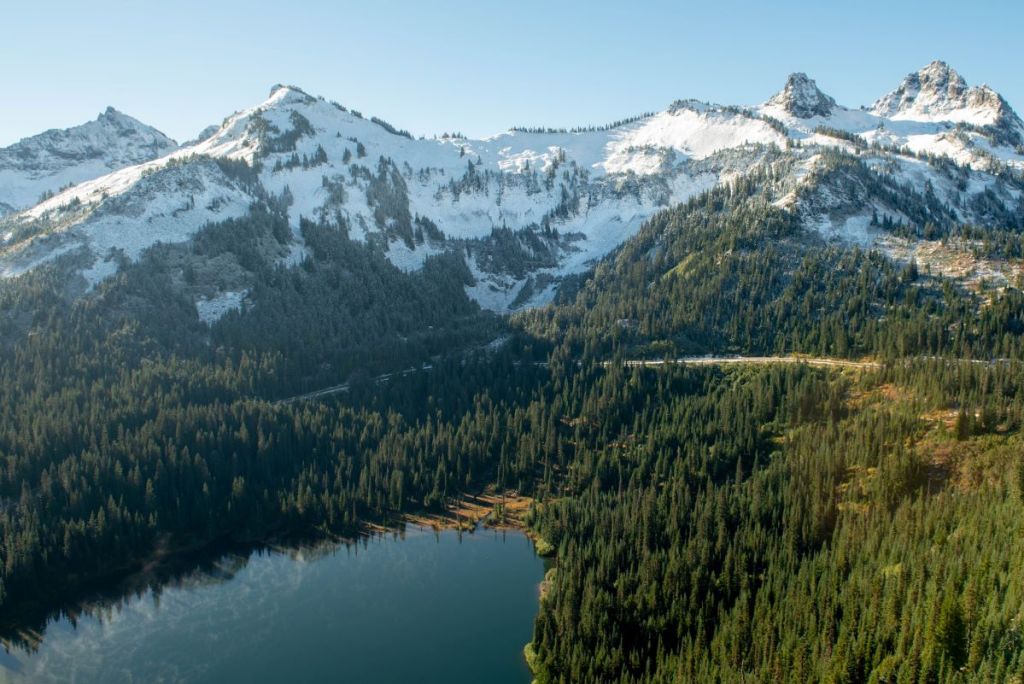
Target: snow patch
{"x": 297, "y": 253}
{"x": 851, "y": 230}
{"x": 212, "y": 309}
{"x": 406, "y": 259}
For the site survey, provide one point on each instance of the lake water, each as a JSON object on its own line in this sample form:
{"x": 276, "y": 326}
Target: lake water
{"x": 426, "y": 608}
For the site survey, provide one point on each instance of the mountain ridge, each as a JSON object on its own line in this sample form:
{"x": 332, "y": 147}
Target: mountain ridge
{"x": 568, "y": 197}
{"x": 937, "y": 89}
{"x": 48, "y": 162}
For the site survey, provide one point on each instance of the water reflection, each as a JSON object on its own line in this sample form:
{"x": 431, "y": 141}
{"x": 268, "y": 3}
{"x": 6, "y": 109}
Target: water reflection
{"x": 455, "y": 608}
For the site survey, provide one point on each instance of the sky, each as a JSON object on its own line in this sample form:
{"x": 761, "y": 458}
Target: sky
{"x": 476, "y": 66}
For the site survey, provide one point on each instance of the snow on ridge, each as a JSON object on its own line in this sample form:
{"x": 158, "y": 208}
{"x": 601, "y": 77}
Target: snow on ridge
{"x": 932, "y": 111}
{"x": 643, "y": 147}
{"x": 152, "y": 204}
{"x": 938, "y": 93}
{"x": 926, "y": 100}
{"x": 624, "y": 174}
{"x": 61, "y": 157}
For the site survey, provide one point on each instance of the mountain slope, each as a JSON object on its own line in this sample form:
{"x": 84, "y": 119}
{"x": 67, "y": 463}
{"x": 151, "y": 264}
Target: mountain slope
{"x": 47, "y": 163}
{"x": 153, "y": 317}
{"x": 530, "y": 207}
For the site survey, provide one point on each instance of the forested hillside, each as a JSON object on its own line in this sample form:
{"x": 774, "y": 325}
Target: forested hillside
{"x": 730, "y": 271}
{"x": 777, "y": 523}
{"x": 789, "y": 525}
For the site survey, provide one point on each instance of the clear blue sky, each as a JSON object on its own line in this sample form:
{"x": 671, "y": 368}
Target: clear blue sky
{"x": 477, "y": 66}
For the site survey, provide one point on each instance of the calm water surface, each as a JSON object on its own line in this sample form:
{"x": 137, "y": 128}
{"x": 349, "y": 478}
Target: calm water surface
{"x": 426, "y": 608}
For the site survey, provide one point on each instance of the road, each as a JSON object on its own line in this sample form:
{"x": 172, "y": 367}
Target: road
{"x": 344, "y": 387}
{"x": 755, "y": 360}
{"x": 687, "y": 360}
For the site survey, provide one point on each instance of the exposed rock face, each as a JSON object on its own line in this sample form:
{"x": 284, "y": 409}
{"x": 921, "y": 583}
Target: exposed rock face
{"x": 802, "y": 98}
{"x": 938, "y": 90}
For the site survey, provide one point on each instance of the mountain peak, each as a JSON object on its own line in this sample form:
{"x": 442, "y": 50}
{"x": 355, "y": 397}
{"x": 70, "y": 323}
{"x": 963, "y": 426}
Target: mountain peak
{"x": 112, "y": 114}
{"x": 935, "y": 90}
{"x": 940, "y": 71}
{"x": 802, "y": 98}
{"x": 286, "y": 94}
{"x": 940, "y": 80}
{"x": 117, "y": 122}
{"x": 56, "y": 158}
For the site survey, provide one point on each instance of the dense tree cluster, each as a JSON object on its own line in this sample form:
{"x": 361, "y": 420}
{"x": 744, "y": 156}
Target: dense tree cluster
{"x": 729, "y": 271}
{"x": 757, "y": 524}
{"x": 546, "y": 130}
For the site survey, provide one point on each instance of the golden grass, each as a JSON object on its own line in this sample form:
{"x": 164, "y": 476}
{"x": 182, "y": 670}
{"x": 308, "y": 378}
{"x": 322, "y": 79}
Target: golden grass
{"x": 491, "y": 508}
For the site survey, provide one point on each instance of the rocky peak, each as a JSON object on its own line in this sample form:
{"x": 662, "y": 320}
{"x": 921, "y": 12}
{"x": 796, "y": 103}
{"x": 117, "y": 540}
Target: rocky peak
{"x": 802, "y": 98}
{"x": 937, "y": 91}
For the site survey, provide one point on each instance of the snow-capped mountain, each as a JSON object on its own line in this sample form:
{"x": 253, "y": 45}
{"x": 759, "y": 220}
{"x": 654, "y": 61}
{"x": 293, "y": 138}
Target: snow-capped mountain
{"x": 51, "y": 161}
{"x": 561, "y": 199}
{"x": 802, "y": 98}
{"x": 595, "y": 187}
{"x": 933, "y": 111}
{"x": 938, "y": 93}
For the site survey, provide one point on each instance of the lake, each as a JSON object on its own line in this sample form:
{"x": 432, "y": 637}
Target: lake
{"x": 429, "y": 607}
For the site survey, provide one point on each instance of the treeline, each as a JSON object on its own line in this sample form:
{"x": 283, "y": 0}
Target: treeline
{"x": 583, "y": 129}
{"x": 730, "y": 272}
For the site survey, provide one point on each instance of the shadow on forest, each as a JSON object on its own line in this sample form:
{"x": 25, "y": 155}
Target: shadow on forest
{"x": 23, "y": 631}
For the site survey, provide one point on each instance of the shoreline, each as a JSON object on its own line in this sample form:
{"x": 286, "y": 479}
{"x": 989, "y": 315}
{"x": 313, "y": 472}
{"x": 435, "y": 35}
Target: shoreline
{"x": 23, "y": 622}
{"x": 469, "y": 511}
